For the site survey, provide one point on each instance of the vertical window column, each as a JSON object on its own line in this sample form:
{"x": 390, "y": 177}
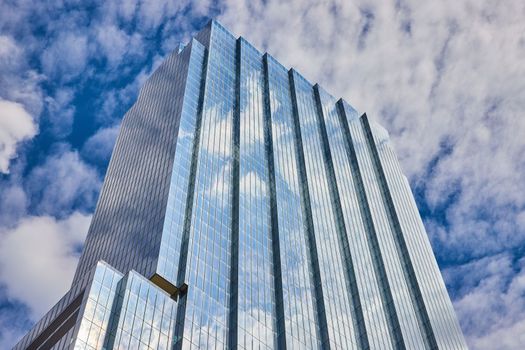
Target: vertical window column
{"x": 402, "y": 250}
{"x": 208, "y": 268}
{"x": 356, "y": 310}
{"x": 301, "y": 330}
{"x": 187, "y": 200}
{"x": 377, "y": 256}
{"x": 309, "y": 225}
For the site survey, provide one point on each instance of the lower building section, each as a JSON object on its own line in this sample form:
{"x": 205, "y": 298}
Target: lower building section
{"x": 107, "y": 310}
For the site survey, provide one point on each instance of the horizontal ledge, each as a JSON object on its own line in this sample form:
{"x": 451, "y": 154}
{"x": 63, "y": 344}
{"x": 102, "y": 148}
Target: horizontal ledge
{"x": 169, "y": 287}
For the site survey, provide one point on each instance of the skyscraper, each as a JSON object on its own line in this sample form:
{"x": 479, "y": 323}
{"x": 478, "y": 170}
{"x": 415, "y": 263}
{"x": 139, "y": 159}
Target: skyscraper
{"x": 244, "y": 207}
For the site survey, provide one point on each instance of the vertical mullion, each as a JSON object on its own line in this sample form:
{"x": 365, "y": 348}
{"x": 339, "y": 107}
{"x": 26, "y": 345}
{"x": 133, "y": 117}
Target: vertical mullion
{"x": 276, "y": 250}
{"x": 234, "y": 262}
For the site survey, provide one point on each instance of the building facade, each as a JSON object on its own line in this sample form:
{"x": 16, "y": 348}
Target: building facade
{"x": 244, "y": 207}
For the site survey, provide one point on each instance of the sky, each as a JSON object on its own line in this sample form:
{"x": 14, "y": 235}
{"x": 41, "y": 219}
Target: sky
{"x": 447, "y": 79}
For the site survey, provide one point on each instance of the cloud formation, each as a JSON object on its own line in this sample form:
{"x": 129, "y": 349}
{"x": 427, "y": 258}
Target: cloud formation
{"x": 40, "y": 254}
{"x": 63, "y": 182}
{"x": 16, "y": 125}
{"x": 491, "y": 304}
{"x": 98, "y": 147}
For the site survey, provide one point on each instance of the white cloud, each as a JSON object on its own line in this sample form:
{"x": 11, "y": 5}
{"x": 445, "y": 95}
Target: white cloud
{"x": 99, "y": 146}
{"x": 116, "y": 43}
{"x": 504, "y": 338}
{"x": 112, "y": 101}
{"x": 251, "y": 184}
{"x": 40, "y": 254}
{"x": 491, "y": 306}
{"x": 151, "y": 14}
{"x": 10, "y": 53}
{"x": 113, "y": 42}
{"x": 220, "y": 183}
{"x": 61, "y": 111}
{"x": 216, "y": 131}
{"x": 13, "y": 324}
{"x": 63, "y": 182}
{"x": 13, "y": 204}
{"x": 20, "y": 99}
{"x": 67, "y": 56}
{"x": 18, "y": 83}
{"x": 112, "y": 11}
{"x": 16, "y": 125}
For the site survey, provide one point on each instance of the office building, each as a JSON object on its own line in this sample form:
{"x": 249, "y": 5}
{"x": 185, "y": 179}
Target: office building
{"x": 244, "y": 207}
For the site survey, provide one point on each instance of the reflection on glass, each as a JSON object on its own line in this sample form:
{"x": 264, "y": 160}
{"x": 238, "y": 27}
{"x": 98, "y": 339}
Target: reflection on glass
{"x": 123, "y": 312}
{"x": 374, "y": 311}
{"x": 172, "y": 236}
{"x": 209, "y": 249}
{"x": 337, "y": 296}
{"x": 256, "y": 307}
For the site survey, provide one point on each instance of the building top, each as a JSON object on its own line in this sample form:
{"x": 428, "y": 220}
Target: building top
{"x": 203, "y": 37}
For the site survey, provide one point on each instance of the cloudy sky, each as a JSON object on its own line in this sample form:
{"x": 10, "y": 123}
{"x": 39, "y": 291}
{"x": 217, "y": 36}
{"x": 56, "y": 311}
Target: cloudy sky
{"x": 446, "y": 78}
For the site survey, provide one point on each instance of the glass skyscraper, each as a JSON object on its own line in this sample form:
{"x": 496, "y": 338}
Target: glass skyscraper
{"x": 244, "y": 207}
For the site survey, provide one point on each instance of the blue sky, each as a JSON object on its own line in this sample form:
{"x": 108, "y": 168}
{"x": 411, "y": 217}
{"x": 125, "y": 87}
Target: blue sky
{"x": 445, "y": 78}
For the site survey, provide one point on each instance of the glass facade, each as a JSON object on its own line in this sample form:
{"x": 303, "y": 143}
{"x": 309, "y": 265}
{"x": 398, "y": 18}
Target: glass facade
{"x": 299, "y": 301}
{"x": 245, "y": 207}
{"x": 125, "y": 312}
